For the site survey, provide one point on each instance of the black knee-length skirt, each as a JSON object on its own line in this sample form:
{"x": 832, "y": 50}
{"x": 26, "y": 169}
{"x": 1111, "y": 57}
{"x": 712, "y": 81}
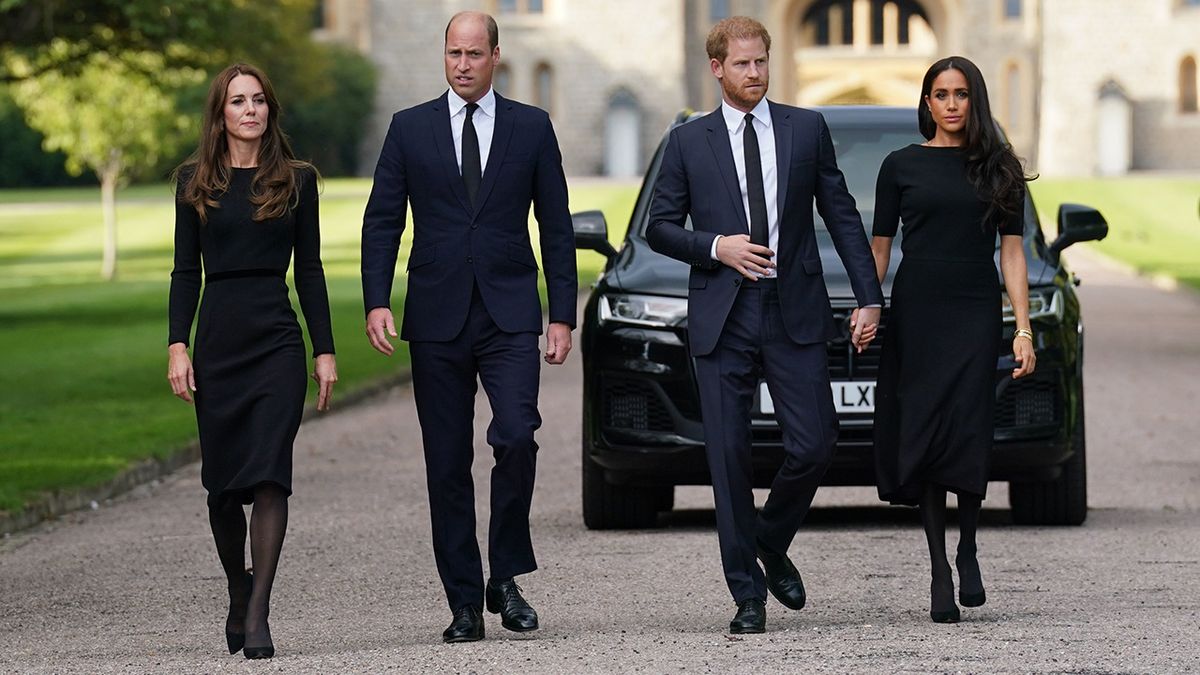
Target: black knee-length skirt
{"x": 251, "y": 379}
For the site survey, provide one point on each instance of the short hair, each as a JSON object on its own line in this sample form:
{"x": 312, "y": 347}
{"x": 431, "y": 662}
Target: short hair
{"x": 734, "y": 28}
{"x": 493, "y": 30}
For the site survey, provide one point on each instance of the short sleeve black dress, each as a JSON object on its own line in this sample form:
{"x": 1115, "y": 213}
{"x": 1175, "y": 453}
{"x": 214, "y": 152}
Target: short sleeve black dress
{"x": 249, "y": 357}
{"x": 935, "y": 394}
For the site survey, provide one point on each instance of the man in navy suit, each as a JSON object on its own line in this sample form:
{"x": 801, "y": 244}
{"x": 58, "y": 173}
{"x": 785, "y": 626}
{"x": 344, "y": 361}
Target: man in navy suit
{"x": 748, "y": 174}
{"x": 471, "y": 163}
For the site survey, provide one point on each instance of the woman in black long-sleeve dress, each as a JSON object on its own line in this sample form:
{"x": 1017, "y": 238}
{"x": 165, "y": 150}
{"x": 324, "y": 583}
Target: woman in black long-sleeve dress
{"x": 244, "y": 207}
{"x": 936, "y": 389}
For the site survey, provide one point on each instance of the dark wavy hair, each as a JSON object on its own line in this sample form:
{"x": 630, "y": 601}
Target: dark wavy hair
{"x": 205, "y": 175}
{"x": 992, "y": 167}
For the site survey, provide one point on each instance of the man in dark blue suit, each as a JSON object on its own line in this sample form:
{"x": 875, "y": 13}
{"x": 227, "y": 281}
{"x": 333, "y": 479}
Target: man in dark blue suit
{"x": 471, "y": 163}
{"x": 748, "y": 175}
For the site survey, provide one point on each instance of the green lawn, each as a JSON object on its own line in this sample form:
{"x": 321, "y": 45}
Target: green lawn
{"x": 1153, "y": 221}
{"x": 83, "y": 391}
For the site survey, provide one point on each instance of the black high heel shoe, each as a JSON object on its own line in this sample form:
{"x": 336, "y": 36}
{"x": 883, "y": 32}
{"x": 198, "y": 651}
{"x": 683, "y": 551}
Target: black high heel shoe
{"x": 237, "y": 612}
{"x": 265, "y": 651}
{"x": 968, "y": 575}
{"x": 938, "y": 609}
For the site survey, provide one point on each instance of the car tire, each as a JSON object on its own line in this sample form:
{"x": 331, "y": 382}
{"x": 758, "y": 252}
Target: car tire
{"x": 1062, "y": 501}
{"x": 617, "y": 507}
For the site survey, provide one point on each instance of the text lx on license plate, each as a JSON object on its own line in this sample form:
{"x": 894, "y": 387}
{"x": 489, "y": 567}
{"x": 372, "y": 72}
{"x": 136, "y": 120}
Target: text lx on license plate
{"x": 848, "y": 397}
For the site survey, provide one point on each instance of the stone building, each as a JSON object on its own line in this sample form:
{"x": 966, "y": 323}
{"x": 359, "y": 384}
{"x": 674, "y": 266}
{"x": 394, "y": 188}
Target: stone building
{"x": 1082, "y": 87}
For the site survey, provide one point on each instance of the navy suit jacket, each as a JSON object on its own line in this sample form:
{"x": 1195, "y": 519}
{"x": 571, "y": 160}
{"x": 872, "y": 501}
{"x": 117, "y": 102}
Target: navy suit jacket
{"x": 454, "y": 246}
{"x": 698, "y": 178}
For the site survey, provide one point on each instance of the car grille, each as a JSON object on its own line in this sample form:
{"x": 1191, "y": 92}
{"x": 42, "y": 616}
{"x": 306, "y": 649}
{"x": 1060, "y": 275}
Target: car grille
{"x": 844, "y": 362}
{"x": 636, "y": 405}
{"x": 1031, "y": 401}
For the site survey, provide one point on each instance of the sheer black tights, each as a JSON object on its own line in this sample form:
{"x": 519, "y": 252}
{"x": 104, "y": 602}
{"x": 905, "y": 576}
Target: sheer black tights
{"x": 268, "y": 525}
{"x": 933, "y": 517}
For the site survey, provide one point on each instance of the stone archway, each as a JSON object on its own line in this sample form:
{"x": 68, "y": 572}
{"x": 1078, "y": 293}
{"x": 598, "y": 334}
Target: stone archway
{"x": 858, "y": 51}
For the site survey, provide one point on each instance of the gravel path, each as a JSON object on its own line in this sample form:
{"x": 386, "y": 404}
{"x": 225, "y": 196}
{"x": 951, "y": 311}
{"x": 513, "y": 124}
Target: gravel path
{"x": 134, "y": 586}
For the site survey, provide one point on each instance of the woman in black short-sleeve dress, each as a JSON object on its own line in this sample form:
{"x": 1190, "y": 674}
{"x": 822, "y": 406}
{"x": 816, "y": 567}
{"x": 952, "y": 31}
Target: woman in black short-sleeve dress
{"x": 936, "y": 389}
{"x": 244, "y": 208}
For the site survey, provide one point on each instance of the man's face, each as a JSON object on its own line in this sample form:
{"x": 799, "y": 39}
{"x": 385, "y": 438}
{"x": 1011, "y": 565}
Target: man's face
{"x": 743, "y": 73}
{"x": 470, "y": 61}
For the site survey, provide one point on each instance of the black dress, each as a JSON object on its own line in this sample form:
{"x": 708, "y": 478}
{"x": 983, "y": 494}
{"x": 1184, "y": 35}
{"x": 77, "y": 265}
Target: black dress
{"x": 935, "y": 394}
{"x": 249, "y": 358}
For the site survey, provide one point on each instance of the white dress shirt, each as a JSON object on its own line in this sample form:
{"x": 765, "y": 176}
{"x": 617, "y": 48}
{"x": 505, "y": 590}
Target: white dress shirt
{"x": 485, "y": 123}
{"x": 735, "y": 121}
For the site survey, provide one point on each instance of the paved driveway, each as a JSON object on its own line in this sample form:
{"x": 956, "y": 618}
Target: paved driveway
{"x": 135, "y": 586}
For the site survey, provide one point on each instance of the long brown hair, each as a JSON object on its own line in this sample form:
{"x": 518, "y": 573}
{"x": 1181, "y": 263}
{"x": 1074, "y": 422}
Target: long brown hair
{"x": 207, "y": 172}
{"x": 992, "y": 167}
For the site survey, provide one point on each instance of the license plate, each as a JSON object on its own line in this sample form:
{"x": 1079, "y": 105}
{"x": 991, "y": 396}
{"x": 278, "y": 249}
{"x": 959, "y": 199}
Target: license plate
{"x": 848, "y": 397}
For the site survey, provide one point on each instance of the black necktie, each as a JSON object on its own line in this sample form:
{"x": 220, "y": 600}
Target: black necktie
{"x": 472, "y": 171}
{"x": 755, "y": 193}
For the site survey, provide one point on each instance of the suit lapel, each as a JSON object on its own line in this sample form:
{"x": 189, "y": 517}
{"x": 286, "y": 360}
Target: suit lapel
{"x": 718, "y": 141}
{"x": 782, "y": 121}
{"x": 443, "y": 138}
{"x": 501, "y": 133}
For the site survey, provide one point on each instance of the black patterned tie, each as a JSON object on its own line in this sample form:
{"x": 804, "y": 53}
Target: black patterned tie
{"x": 755, "y": 193}
{"x": 472, "y": 171}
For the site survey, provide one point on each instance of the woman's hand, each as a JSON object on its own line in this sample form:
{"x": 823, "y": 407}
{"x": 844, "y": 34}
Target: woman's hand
{"x": 1023, "y": 353}
{"x": 179, "y": 371}
{"x": 325, "y": 374}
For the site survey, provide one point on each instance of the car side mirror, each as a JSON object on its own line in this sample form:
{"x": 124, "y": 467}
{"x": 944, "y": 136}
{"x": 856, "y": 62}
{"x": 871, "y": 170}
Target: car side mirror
{"x": 1077, "y": 223}
{"x": 591, "y": 233}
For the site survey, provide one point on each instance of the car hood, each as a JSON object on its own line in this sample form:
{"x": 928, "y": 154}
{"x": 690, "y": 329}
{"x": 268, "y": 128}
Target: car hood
{"x": 639, "y": 269}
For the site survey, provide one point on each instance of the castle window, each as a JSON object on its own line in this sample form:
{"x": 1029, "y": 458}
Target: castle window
{"x": 1012, "y": 9}
{"x": 543, "y": 83}
{"x": 502, "y": 82}
{"x": 507, "y": 6}
{"x": 718, "y": 9}
{"x": 520, "y": 6}
{"x": 1187, "y": 85}
{"x": 1012, "y": 98}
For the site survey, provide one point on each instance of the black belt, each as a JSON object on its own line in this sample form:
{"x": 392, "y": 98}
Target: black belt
{"x": 242, "y": 274}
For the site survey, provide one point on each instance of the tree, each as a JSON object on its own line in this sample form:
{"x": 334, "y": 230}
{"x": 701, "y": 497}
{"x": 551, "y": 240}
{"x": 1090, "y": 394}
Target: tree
{"x": 111, "y": 117}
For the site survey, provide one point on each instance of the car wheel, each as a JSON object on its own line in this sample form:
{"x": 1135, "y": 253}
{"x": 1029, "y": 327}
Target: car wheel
{"x": 1062, "y": 501}
{"x": 607, "y": 506}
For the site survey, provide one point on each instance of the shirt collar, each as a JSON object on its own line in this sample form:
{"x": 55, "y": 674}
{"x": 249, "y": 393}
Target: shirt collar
{"x": 734, "y": 118}
{"x": 487, "y": 104}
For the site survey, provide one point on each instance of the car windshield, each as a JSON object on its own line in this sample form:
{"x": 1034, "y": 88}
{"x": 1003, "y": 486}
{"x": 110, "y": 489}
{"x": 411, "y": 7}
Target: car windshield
{"x": 860, "y": 151}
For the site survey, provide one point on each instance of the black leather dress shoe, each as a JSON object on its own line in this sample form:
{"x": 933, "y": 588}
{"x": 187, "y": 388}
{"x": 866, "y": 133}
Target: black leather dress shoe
{"x": 467, "y": 626}
{"x": 504, "y": 598}
{"x": 783, "y": 579}
{"x": 751, "y": 617}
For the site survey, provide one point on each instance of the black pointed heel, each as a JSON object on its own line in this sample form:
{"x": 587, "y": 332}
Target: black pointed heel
{"x": 972, "y": 599}
{"x": 236, "y": 641}
{"x": 263, "y": 652}
{"x": 949, "y": 616}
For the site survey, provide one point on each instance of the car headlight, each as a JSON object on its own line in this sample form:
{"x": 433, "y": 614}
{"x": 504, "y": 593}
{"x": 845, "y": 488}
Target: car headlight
{"x": 643, "y": 310}
{"x": 1043, "y": 303}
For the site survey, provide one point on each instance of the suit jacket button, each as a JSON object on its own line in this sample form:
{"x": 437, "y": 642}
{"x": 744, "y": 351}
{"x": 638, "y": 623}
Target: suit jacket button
{"x": 737, "y": 281}
{"x": 468, "y": 260}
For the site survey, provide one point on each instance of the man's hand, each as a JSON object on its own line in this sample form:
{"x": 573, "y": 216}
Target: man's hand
{"x": 379, "y": 326}
{"x": 864, "y": 323}
{"x": 558, "y": 343}
{"x": 750, "y": 260}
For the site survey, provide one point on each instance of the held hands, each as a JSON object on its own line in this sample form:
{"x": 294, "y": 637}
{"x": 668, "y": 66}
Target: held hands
{"x": 324, "y": 374}
{"x": 1023, "y": 354}
{"x": 558, "y": 343}
{"x": 864, "y": 323}
{"x": 380, "y": 325}
{"x": 179, "y": 371}
{"x": 751, "y": 260}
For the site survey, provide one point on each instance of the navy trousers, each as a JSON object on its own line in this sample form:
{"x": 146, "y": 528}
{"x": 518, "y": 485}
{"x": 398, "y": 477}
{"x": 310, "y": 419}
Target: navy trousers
{"x": 754, "y": 345}
{"x": 444, "y": 384}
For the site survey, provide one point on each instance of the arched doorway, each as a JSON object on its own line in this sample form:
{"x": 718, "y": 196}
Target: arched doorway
{"x": 857, "y": 51}
{"x": 623, "y": 136}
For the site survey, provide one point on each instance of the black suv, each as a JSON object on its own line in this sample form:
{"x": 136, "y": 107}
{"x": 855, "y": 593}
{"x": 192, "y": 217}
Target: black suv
{"x": 642, "y": 434}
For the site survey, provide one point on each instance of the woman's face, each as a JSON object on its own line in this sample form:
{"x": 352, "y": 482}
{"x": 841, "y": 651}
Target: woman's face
{"x": 245, "y": 109}
{"x": 949, "y": 102}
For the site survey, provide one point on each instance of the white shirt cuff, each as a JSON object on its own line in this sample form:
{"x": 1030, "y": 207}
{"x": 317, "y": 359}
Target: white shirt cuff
{"x": 713, "y": 252}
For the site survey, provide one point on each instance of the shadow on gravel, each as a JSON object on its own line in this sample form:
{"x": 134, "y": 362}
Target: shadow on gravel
{"x": 834, "y": 517}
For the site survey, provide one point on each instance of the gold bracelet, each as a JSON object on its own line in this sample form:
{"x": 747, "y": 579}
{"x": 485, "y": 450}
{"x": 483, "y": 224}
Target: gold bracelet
{"x": 1022, "y": 332}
